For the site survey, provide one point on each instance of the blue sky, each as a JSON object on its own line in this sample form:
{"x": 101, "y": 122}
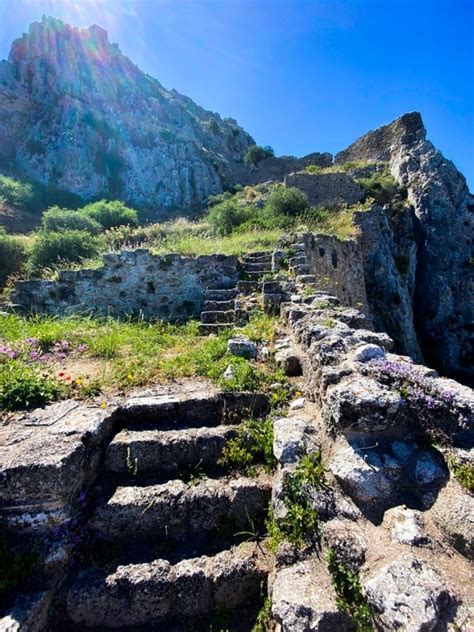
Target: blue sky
{"x": 299, "y": 75}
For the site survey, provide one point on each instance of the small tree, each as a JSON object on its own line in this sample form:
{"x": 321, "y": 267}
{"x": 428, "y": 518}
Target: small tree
{"x": 226, "y": 216}
{"x": 287, "y": 201}
{"x": 111, "y": 213}
{"x": 256, "y": 154}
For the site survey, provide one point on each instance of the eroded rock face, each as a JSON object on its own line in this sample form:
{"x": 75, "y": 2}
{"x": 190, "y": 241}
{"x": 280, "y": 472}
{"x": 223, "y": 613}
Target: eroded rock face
{"x": 76, "y": 112}
{"x": 444, "y": 285}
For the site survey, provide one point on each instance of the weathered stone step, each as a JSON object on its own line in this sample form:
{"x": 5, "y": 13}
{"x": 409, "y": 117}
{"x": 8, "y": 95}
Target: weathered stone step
{"x": 175, "y": 509}
{"x": 254, "y": 276}
{"x": 218, "y": 306}
{"x": 217, "y": 317}
{"x": 297, "y": 260}
{"x": 206, "y": 329}
{"x": 263, "y": 254}
{"x": 166, "y": 452}
{"x": 220, "y": 295}
{"x": 257, "y": 267}
{"x": 248, "y": 287}
{"x": 198, "y": 409}
{"x": 301, "y": 269}
{"x": 306, "y": 279}
{"x": 157, "y": 592}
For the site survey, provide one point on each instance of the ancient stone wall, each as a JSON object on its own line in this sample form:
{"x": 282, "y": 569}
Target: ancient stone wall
{"x": 131, "y": 282}
{"x": 271, "y": 169}
{"x": 326, "y": 189}
{"x": 338, "y": 268}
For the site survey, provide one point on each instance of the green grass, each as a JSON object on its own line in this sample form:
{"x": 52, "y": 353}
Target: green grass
{"x": 349, "y": 593}
{"x": 109, "y": 355}
{"x": 300, "y": 524}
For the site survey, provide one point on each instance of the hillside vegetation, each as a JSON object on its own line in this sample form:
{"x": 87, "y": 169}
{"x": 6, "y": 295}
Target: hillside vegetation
{"x": 248, "y": 219}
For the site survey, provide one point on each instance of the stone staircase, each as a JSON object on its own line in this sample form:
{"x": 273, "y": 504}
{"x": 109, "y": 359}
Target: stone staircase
{"x": 166, "y": 517}
{"x": 222, "y": 308}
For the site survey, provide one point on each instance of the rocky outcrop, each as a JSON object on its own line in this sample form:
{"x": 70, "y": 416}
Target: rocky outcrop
{"x": 392, "y": 520}
{"x": 76, "y": 113}
{"x": 443, "y": 224}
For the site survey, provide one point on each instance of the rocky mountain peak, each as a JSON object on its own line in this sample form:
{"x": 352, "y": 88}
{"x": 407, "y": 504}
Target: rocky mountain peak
{"x": 78, "y": 114}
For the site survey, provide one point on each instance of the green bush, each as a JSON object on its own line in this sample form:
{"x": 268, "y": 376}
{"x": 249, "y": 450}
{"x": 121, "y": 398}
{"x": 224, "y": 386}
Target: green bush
{"x": 26, "y": 386}
{"x": 227, "y": 215}
{"x": 33, "y": 196}
{"x": 16, "y": 192}
{"x": 12, "y": 256}
{"x": 287, "y": 201}
{"x": 57, "y": 219}
{"x": 256, "y": 154}
{"x": 111, "y": 213}
{"x": 382, "y": 187}
{"x": 71, "y": 246}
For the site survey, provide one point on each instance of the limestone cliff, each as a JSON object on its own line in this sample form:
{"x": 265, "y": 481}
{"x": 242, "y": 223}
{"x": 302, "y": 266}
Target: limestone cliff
{"x": 443, "y": 225}
{"x": 76, "y": 113}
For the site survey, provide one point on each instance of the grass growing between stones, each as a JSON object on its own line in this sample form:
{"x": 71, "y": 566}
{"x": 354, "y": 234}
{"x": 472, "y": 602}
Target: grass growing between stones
{"x": 463, "y": 473}
{"x": 45, "y": 358}
{"x": 350, "y": 599}
{"x": 299, "y": 525}
{"x": 251, "y": 448}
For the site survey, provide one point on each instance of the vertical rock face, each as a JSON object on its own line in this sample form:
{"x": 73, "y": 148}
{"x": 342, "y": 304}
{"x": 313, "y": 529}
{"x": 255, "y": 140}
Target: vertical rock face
{"x": 444, "y": 220}
{"x": 389, "y": 257}
{"x": 76, "y": 113}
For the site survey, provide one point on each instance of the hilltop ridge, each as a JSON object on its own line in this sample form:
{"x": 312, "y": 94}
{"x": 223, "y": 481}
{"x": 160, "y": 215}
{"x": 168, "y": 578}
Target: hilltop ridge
{"x": 77, "y": 113}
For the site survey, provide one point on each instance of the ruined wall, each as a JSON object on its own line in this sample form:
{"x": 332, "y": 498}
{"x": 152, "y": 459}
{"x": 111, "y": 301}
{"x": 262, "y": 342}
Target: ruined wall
{"x": 326, "y": 189}
{"x": 131, "y": 282}
{"x": 271, "y": 169}
{"x": 338, "y": 268}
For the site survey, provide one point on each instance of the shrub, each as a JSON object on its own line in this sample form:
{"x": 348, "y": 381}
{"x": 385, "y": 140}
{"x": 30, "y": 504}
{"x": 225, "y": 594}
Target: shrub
{"x": 111, "y": 213}
{"x": 16, "y": 192}
{"x": 12, "y": 256}
{"x": 287, "y": 201}
{"x": 26, "y": 386}
{"x": 256, "y": 154}
{"x": 72, "y": 246}
{"x": 313, "y": 169}
{"x": 225, "y": 216}
{"x": 57, "y": 219}
{"x": 382, "y": 187}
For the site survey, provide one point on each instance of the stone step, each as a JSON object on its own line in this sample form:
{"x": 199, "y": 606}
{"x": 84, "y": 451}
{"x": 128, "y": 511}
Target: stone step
{"x": 206, "y": 329}
{"x": 197, "y": 409}
{"x": 220, "y": 295}
{"x": 217, "y": 317}
{"x": 257, "y": 267}
{"x": 297, "y": 260}
{"x": 157, "y": 594}
{"x": 175, "y": 510}
{"x": 263, "y": 254}
{"x": 249, "y": 287}
{"x": 218, "y": 306}
{"x": 254, "y": 276}
{"x": 306, "y": 279}
{"x": 301, "y": 270}
{"x": 166, "y": 451}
